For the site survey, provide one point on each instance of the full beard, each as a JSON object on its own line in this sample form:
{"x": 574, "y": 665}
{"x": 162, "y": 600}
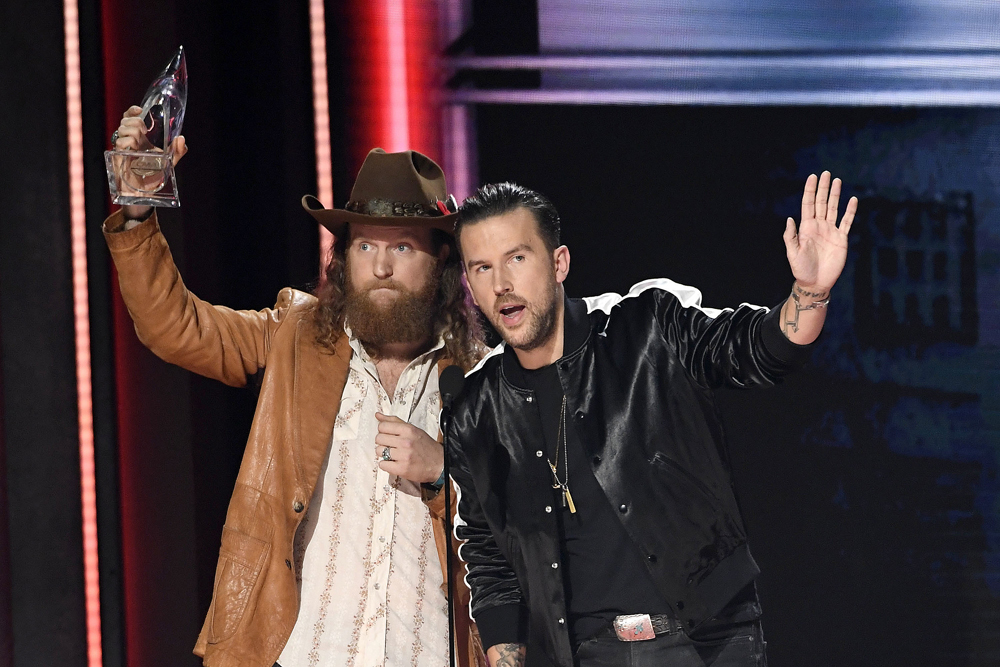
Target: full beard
{"x": 406, "y": 318}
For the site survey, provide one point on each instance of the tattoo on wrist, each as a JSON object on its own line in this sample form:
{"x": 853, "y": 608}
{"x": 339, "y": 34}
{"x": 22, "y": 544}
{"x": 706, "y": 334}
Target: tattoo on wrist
{"x": 815, "y": 295}
{"x": 509, "y": 655}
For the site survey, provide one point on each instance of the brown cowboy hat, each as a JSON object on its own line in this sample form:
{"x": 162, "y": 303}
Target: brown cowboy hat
{"x": 394, "y": 190}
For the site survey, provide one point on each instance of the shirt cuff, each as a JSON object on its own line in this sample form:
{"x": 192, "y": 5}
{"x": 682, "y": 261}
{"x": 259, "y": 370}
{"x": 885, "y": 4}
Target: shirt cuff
{"x": 777, "y": 343}
{"x": 115, "y": 224}
{"x": 119, "y": 238}
{"x": 506, "y": 624}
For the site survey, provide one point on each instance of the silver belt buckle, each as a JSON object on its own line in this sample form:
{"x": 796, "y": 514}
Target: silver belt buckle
{"x": 634, "y": 628}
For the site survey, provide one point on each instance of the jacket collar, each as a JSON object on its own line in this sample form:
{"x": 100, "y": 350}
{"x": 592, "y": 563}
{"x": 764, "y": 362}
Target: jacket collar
{"x": 320, "y": 376}
{"x": 576, "y": 333}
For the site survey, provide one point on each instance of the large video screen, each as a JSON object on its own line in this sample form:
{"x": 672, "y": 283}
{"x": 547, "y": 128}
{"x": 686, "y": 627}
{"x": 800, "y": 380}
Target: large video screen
{"x": 898, "y": 52}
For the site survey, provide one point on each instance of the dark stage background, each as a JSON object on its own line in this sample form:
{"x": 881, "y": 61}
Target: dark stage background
{"x": 869, "y": 481}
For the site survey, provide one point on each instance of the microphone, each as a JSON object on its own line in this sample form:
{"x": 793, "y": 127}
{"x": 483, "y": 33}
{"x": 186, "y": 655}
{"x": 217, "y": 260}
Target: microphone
{"x": 451, "y": 382}
{"x": 450, "y": 385}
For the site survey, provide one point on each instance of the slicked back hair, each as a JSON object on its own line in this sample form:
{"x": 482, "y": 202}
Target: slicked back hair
{"x": 500, "y": 198}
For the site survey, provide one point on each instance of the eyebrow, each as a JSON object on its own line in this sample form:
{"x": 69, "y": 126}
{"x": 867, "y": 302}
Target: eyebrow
{"x": 404, "y": 237}
{"x": 518, "y": 248}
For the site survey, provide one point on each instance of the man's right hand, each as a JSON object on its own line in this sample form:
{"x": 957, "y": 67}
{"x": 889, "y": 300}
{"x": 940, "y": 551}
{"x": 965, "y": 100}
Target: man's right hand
{"x": 132, "y": 136}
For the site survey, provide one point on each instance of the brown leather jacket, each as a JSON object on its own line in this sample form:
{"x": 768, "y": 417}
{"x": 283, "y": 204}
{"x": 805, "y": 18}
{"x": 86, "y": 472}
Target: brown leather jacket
{"x": 256, "y": 598}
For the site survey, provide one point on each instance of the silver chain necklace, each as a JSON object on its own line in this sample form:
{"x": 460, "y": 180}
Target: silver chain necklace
{"x": 561, "y": 442}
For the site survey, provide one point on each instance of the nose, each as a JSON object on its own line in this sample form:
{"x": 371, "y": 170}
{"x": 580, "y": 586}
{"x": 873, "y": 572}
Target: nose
{"x": 501, "y": 282}
{"x": 382, "y": 266}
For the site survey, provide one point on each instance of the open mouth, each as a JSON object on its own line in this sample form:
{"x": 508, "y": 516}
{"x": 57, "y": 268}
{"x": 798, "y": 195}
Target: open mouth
{"x": 511, "y": 314}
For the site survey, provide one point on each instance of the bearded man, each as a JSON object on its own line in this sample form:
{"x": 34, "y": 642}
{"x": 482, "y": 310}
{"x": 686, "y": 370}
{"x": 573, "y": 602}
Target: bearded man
{"x": 594, "y": 484}
{"x": 332, "y": 543}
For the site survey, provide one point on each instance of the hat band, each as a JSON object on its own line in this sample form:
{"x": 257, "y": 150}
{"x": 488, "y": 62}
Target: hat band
{"x": 383, "y": 208}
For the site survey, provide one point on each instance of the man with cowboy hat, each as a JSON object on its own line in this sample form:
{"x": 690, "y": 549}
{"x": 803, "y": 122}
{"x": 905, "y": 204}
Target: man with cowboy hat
{"x": 335, "y": 531}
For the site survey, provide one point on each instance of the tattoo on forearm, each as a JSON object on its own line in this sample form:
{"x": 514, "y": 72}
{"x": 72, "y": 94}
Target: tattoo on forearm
{"x": 509, "y": 655}
{"x": 791, "y": 320}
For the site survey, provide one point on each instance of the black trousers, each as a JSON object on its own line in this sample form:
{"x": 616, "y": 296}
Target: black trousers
{"x": 733, "y": 638}
{"x": 736, "y": 645}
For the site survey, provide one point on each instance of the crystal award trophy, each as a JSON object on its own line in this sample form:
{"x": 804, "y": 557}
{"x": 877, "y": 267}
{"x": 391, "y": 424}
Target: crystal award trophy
{"x": 146, "y": 177}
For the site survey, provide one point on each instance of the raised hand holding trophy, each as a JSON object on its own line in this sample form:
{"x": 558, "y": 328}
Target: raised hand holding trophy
{"x": 146, "y": 176}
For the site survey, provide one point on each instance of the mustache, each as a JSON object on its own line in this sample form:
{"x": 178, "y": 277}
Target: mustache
{"x": 388, "y": 283}
{"x": 508, "y": 300}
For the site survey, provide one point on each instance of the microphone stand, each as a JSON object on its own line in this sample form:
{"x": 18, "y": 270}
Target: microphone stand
{"x": 450, "y": 383}
{"x": 446, "y": 400}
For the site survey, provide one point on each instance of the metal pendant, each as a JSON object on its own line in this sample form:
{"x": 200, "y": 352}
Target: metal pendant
{"x": 568, "y": 499}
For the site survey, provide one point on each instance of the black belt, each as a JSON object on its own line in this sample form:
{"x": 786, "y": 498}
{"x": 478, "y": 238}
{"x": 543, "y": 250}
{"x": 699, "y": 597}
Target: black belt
{"x": 640, "y": 627}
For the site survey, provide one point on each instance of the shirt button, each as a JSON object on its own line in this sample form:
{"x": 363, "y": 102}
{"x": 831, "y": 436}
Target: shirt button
{"x": 623, "y": 508}
{"x": 651, "y": 558}
{"x": 381, "y": 539}
{"x": 377, "y": 586}
{"x": 579, "y": 414}
{"x": 298, "y": 506}
{"x": 538, "y": 453}
{"x": 529, "y": 399}
{"x": 555, "y": 566}
{"x": 548, "y": 509}
{"x": 562, "y": 621}
{"x": 597, "y": 460}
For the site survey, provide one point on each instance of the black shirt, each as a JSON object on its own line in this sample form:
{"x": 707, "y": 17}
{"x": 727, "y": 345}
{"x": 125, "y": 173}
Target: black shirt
{"x": 603, "y": 572}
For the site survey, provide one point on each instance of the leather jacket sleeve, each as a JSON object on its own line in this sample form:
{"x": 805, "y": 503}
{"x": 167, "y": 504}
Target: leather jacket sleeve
{"x": 497, "y": 604}
{"x": 741, "y": 347}
{"x": 214, "y": 341}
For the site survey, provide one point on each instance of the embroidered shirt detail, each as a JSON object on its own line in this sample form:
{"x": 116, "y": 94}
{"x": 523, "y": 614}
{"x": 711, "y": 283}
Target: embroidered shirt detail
{"x": 365, "y": 557}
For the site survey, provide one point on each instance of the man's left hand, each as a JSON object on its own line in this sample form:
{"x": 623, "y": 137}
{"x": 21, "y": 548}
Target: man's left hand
{"x": 413, "y": 454}
{"x": 818, "y": 251}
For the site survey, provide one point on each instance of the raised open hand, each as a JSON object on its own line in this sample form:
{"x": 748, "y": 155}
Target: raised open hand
{"x": 818, "y": 250}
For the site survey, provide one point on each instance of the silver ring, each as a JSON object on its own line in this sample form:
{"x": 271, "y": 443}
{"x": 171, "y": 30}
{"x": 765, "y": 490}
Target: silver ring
{"x": 386, "y": 454}
{"x": 114, "y": 140}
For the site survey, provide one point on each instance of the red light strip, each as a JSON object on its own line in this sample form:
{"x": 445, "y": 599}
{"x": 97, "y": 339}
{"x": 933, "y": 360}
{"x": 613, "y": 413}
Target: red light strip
{"x": 398, "y": 111}
{"x": 81, "y": 313}
{"x": 460, "y": 165}
{"x": 321, "y": 121}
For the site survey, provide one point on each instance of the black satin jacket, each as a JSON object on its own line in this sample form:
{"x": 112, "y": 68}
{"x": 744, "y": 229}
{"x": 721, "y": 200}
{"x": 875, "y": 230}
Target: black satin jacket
{"x": 639, "y": 391}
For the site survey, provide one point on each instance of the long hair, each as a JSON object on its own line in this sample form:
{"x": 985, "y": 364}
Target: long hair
{"x": 455, "y": 318}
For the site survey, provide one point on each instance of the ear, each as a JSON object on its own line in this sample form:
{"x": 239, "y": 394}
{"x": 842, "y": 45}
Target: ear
{"x": 444, "y": 252}
{"x": 560, "y": 260}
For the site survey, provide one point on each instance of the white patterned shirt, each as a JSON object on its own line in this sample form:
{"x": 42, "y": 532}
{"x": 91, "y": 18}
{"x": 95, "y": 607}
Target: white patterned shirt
{"x": 366, "y": 561}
